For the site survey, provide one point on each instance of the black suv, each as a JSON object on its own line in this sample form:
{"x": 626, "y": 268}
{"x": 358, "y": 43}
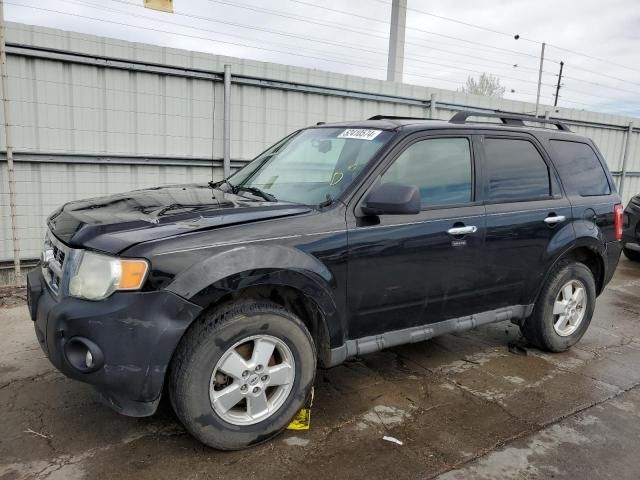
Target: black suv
{"x": 340, "y": 240}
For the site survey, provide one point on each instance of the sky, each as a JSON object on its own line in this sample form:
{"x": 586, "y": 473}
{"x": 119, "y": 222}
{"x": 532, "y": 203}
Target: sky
{"x": 446, "y": 41}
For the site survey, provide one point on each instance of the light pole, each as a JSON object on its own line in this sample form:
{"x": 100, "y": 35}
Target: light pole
{"x": 397, "y": 29}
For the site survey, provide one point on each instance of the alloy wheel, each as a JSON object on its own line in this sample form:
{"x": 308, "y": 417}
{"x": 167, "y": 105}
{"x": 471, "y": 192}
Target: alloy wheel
{"x": 252, "y": 380}
{"x": 569, "y": 308}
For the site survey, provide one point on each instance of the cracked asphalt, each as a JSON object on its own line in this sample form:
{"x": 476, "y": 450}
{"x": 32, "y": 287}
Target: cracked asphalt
{"x": 464, "y": 406}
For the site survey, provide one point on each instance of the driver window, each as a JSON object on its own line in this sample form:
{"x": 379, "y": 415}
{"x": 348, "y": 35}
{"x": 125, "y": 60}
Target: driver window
{"x": 439, "y": 167}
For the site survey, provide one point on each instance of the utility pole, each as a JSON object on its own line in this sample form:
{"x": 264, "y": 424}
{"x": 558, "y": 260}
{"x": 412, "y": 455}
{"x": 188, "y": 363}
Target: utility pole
{"x": 540, "y": 78}
{"x": 396, "y": 40}
{"x": 9, "y": 147}
{"x": 555, "y": 102}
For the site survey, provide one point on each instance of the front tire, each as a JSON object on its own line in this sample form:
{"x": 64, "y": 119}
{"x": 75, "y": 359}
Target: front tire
{"x": 564, "y": 308}
{"x": 241, "y": 374}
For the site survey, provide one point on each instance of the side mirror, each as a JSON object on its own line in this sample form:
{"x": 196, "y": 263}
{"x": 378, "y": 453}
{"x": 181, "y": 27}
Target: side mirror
{"x": 392, "y": 199}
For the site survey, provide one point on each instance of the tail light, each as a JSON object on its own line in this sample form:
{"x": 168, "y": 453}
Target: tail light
{"x": 618, "y": 213}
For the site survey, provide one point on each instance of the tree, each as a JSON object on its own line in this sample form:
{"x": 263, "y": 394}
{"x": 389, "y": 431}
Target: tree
{"x": 487, "y": 85}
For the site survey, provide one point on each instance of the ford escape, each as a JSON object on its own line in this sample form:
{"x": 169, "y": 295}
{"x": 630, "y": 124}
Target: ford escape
{"x": 340, "y": 240}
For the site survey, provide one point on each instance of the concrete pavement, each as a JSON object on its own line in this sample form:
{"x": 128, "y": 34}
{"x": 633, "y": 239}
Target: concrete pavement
{"x": 463, "y": 405}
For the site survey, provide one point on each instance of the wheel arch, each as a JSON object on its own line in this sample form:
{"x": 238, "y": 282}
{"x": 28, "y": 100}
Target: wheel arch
{"x": 290, "y": 298}
{"x": 284, "y": 275}
{"x": 584, "y": 250}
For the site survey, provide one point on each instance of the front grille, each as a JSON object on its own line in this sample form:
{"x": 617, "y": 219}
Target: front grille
{"x": 54, "y": 254}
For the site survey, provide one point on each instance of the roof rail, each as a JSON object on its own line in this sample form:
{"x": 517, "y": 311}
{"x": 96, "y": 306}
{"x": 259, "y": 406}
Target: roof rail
{"x": 392, "y": 117}
{"x": 508, "y": 119}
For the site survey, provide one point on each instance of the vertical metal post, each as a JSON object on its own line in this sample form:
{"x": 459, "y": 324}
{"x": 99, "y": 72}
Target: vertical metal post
{"x": 226, "y": 159}
{"x": 397, "y": 30}
{"x": 9, "y": 147}
{"x": 432, "y": 106}
{"x": 555, "y": 102}
{"x": 540, "y": 78}
{"x": 625, "y": 155}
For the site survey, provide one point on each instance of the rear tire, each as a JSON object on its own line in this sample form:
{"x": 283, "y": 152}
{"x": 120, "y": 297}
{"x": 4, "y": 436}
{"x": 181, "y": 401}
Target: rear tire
{"x": 222, "y": 392}
{"x": 564, "y": 308}
{"x": 631, "y": 254}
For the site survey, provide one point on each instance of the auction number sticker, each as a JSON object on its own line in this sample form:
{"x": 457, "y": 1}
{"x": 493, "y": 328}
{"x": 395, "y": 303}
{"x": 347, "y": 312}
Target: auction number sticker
{"x": 360, "y": 133}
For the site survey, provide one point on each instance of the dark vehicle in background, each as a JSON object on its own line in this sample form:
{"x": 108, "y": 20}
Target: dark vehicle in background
{"x": 340, "y": 240}
{"x": 631, "y": 231}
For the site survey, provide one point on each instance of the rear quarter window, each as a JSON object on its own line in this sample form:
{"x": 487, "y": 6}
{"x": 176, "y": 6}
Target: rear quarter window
{"x": 580, "y": 170}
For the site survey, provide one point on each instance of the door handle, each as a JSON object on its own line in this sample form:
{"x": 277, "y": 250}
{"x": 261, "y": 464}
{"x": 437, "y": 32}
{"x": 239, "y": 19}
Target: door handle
{"x": 554, "y": 219}
{"x": 462, "y": 230}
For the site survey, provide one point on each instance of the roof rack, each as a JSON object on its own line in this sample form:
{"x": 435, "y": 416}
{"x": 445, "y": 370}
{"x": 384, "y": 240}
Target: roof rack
{"x": 508, "y": 119}
{"x": 392, "y": 117}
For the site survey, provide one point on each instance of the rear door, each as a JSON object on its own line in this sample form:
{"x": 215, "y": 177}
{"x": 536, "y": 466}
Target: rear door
{"x": 526, "y": 214}
{"x": 407, "y": 270}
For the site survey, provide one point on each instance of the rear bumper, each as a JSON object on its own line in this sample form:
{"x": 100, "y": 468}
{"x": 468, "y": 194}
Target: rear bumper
{"x": 612, "y": 252}
{"x": 134, "y": 335}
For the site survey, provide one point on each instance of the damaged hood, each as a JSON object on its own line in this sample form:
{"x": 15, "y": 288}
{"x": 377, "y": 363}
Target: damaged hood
{"x": 116, "y": 222}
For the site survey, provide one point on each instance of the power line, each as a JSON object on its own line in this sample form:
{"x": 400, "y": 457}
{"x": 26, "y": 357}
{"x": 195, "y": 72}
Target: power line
{"x": 349, "y": 62}
{"x": 196, "y": 37}
{"x": 593, "y": 57}
{"x": 523, "y": 38}
{"x": 503, "y": 33}
{"x": 328, "y": 42}
{"x": 216, "y": 41}
{"x": 593, "y": 72}
{"x": 349, "y": 28}
{"x": 601, "y": 85}
{"x": 378, "y": 52}
{"x": 460, "y": 22}
{"x": 344, "y": 12}
{"x": 369, "y": 34}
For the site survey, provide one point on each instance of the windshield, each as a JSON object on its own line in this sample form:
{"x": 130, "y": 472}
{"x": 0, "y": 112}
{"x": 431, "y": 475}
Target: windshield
{"x": 312, "y": 166}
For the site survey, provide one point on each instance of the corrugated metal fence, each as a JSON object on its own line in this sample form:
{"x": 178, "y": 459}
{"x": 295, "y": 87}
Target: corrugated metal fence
{"x": 93, "y": 116}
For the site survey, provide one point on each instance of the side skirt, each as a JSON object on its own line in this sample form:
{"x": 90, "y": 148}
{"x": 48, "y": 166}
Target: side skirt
{"x": 374, "y": 343}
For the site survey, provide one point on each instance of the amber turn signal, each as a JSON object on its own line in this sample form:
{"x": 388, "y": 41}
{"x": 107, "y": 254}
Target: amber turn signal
{"x": 132, "y": 274}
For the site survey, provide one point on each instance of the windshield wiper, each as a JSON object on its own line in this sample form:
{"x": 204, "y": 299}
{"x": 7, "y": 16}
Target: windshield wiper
{"x": 328, "y": 201}
{"x": 256, "y": 191}
{"x": 217, "y": 184}
{"x": 239, "y": 188}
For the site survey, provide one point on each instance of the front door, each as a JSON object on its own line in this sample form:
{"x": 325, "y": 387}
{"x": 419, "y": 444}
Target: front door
{"x": 408, "y": 270}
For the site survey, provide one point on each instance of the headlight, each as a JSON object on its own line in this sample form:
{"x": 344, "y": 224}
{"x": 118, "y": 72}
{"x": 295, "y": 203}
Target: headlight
{"x": 98, "y": 276}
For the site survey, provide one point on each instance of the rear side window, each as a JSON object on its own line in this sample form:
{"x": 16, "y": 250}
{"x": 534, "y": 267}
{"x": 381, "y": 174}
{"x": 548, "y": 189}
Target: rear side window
{"x": 579, "y": 168}
{"x": 439, "y": 167}
{"x": 515, "y": 170}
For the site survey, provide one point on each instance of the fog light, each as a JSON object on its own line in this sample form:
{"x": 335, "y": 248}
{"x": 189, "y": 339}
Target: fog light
{"x": 83, "y": 354}
{"x": 88, "y": 359}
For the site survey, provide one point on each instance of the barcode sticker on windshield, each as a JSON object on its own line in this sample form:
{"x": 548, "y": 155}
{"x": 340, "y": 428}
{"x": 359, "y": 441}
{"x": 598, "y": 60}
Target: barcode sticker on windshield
{"x": 360, "y": 133}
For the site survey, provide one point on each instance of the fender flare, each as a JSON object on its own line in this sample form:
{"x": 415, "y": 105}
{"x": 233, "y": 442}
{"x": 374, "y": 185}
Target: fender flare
{"x": 586, "y": 237}
{"x": 264, "y": 265}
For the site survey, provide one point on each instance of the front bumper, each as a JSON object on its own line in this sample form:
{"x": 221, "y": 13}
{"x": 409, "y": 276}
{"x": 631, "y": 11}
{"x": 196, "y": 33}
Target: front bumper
{"x": 630, "y": 236}
{"x": 137, "y": 333}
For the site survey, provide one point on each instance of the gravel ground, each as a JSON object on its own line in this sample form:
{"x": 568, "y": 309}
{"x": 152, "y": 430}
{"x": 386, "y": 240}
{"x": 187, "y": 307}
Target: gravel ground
{"x": 12, "y": 296}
